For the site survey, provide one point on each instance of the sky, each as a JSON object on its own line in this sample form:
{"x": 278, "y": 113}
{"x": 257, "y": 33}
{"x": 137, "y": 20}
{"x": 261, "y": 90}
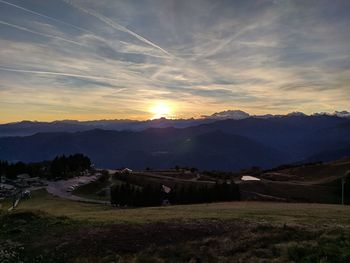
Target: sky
{"x": 110, "y": 59}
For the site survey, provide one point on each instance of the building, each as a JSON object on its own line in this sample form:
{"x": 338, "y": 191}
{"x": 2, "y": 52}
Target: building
{"x": 23, "y": 176}
{"x": 7, "y": 190}
{"x": 126, "y": 171}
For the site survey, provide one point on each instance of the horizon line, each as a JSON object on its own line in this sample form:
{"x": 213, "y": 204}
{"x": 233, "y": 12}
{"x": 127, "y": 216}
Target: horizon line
{"x": 201, "y": 117}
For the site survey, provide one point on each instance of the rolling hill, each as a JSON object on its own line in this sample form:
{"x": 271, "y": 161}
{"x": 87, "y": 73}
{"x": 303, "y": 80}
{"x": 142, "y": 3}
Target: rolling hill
{"x": 152, "y": 148}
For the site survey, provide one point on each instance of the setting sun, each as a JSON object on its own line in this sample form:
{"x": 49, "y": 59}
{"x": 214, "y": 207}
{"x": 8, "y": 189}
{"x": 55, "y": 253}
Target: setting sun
{"x": 161, "y": 109}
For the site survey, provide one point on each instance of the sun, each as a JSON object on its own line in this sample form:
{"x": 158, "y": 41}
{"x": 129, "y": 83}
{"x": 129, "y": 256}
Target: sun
{"x": 161, "y": 109}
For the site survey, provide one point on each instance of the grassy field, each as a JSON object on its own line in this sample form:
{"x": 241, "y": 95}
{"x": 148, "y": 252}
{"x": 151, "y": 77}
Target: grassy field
{"x": 49, "y": 229}
{"x": 272, "y": 212}
{"x": 93, "y": 190}
{"x": 46, "y": 228}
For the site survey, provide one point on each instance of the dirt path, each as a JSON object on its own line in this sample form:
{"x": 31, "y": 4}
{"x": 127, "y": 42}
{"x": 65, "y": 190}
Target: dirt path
{"x": 306, "y": 183}
{"x": 175, "y": 179}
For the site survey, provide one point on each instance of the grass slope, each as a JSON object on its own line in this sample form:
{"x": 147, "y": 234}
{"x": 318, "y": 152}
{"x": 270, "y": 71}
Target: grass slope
{"x": 273, "y": 212}
{"x": 49, "y": 229}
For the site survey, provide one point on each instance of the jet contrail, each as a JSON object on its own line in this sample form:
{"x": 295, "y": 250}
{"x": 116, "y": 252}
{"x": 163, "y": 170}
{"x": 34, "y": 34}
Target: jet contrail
{"x": 90, "y": 12}
{"x": 117, "y": 26}
{"x": 47, "y": 17}
{"x": 38, "y": 33}
{"x": 56, "y": 74}
{"x": 53, "y": 19}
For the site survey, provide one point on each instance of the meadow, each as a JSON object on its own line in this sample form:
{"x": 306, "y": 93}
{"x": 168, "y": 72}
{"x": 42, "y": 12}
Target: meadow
{"x": 45, "y": 228}
{"x": 301, "y": 213}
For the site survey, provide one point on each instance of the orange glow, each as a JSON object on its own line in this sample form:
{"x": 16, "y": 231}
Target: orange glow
{"x": 161, "y": 109}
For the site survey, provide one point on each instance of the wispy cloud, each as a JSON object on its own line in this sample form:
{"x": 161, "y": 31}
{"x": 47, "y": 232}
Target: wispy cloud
{"x": 56, "y": 73}
{"x": 46, "y": 17}
{"x": 39, "y": 33}
{"x": 116, "y": 26}
{"x": 113, "y": 59}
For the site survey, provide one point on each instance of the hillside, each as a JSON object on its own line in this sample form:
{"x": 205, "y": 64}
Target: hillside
{"x": 315, "y": 182}
{"x": 161, "y": 148}
{"x": 221, "y": 145}
{"x": 312, "y": 173}
{"x": 49, "y": 229}
{"x": 27, "y": 128}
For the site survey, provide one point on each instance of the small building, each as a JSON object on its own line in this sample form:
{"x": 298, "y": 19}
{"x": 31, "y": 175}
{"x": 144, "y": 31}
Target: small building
{"x": 7, "y": 187}
{"x": 126, "y": 171}
{"x": 7, "y": 190}
{"x": 249, "y": 178}
{"x": 34, "y": 181}
{"x": 23, "y": 176}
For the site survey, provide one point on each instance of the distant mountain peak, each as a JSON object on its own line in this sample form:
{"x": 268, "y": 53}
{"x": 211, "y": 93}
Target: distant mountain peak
{"x": 296, "y": 113}
{"x": 229, "y": 114}
{"x": 342, "y": 114}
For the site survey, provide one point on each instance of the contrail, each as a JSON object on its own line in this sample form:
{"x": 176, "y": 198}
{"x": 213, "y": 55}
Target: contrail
{"x": 90, "y": 12}
{"x": 53, "y": 19}
{"x": 56, "y": 74}
{"x": 117, "y": 26}
{"x": 47, "y": 17}
{"x": 40, "y": 34}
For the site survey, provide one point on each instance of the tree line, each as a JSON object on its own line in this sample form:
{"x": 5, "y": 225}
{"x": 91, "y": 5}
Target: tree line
{"x": 61, "y": 167}
{"x": 152, "y": 195}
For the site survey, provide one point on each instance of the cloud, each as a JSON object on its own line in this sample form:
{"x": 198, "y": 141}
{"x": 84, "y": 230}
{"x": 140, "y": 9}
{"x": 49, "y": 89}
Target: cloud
{"x": 46, "y": 17}
{"x": 55, "y": 73}
{"x": 117, "y": 26}
{"x": 202, "y": 56}
{"x": 304, "y": 85}
{"x": 39, "y": 33}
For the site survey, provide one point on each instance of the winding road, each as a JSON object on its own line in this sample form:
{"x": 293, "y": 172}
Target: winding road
{"x": 59, "y": 188}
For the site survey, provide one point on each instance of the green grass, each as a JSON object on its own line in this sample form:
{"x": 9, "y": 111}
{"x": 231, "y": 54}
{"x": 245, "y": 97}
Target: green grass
{"x": 91, "y": 190}
{"x": 49, "y": 229}
{"x": 27, "y": 236}
{"x": 262, "y": 211}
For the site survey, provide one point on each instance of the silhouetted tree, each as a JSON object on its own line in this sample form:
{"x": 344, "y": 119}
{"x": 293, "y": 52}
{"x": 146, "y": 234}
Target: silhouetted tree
{"x": 152, "y": 195}
{"x": 59, "y": 167}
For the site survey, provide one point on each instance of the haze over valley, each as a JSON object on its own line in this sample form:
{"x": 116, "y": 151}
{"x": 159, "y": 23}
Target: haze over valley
{"x": 218, "y": 142}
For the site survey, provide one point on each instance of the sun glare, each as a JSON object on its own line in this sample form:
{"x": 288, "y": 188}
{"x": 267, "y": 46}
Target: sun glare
{"x": 160, "y": 110}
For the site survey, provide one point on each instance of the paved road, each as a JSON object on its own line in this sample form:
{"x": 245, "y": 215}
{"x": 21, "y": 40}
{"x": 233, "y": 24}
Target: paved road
{"x": 59, "y": 188}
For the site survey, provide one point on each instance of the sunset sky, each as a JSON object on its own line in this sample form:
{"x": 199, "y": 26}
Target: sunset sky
{"x": 109, "y": 59}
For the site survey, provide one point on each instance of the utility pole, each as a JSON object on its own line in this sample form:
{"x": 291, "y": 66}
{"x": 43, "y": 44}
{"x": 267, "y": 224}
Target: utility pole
{"x": 343, "y": 181}
{"x": 342, "y": 189}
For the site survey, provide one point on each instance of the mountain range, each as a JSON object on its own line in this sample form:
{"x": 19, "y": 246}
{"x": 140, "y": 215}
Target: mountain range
{"x": 25, "y": 128}
{"x": 208, "y": 143}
